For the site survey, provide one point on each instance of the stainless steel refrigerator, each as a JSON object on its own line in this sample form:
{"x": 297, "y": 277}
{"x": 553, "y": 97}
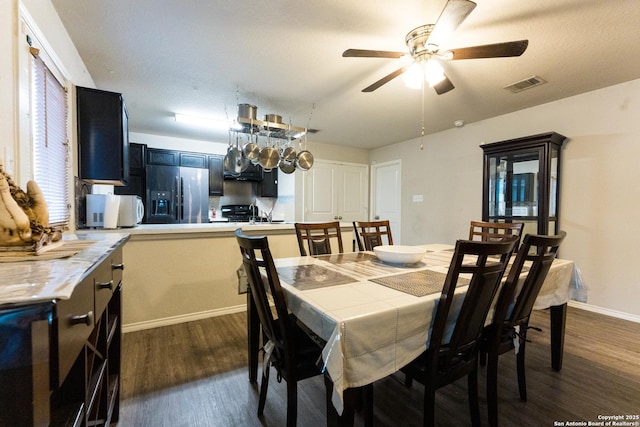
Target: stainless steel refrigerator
{"x": 177, "y": 195}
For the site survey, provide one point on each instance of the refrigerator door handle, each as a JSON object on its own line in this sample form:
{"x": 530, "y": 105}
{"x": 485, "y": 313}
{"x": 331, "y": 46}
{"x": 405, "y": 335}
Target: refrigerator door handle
{"x": 181, "y": 199}
{"x": 176, "y": 204}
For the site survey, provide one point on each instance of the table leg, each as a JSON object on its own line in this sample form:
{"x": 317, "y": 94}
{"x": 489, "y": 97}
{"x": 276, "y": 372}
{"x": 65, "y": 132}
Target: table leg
{"x": 253, "y": 337}
{"x": 558, "y": 315}
{"x": 349, "y": 400}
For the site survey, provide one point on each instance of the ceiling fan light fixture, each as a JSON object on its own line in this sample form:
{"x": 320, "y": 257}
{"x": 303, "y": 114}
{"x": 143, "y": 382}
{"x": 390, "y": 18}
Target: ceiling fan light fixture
{"x": 414, "y": 76}
{"x": 433, "y": 73}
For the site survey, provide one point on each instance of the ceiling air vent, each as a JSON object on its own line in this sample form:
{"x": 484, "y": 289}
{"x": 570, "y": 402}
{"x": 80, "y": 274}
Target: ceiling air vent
{"x": 525, "y": 84}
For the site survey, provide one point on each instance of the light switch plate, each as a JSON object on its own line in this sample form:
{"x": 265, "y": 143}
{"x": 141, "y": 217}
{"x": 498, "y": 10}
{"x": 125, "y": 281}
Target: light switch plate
{"x": 418, "y": 198}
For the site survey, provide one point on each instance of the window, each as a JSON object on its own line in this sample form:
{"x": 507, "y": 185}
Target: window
{"x": 50, "y": 144}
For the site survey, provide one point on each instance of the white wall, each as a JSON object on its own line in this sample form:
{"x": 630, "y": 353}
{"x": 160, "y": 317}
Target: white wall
{"x": 599, "y": 192}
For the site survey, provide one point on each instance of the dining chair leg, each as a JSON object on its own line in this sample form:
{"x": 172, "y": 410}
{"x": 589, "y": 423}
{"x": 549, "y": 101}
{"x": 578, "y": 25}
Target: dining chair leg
{"x": 429, "y": 406}
{"x": 292, "y": 403}
{"x": 264, "y": 385}
{"x": 474, "y": 405}
{"x": 408, "y": 380}
{"x": 522, "y": 381}
{"x": 492, "y": 388}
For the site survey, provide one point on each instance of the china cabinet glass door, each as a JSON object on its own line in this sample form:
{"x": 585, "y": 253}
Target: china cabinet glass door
{"x": 521, "y": 182}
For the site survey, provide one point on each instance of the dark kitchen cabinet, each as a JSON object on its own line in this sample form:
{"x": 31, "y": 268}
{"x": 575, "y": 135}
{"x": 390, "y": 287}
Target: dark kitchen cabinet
{"x": 522, "y": 182}
{"x": 103, "y": 137}
{"x": 157, "y": 156}
{"x": 63, "y": 365}
{"x": 268, "y": 187}
{"x": 137, "y": 180}
{"x": 194, "y": 160}
{"x": 216, "y": 175}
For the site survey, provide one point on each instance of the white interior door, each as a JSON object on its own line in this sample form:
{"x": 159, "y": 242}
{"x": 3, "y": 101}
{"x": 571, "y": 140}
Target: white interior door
{"x": 387, "y": 195}
{"x": 336, "y": 191}
{"x": 320, "y": 203}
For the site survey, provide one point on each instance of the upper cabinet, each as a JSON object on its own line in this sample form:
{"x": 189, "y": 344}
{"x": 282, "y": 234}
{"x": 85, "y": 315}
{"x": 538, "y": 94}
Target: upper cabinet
{"x": 216, "y": 175}
{"x": 268, "y": 187}
{"x": 522, "y": 181}
{"x": 103, "y": 137}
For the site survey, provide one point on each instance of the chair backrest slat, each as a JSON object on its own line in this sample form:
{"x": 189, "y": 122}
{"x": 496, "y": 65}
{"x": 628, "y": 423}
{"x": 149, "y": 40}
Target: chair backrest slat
{"x": 316, "y": 237}
{"x": 494, "y": 231}
{"x": 372, "y": 233}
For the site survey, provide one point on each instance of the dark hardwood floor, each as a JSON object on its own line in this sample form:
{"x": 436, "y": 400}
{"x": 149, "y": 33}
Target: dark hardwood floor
{"x": 195, "y": 374}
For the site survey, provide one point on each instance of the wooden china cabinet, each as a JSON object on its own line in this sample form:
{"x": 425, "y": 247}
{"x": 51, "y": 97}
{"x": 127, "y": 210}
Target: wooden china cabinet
{"x": 522, "y": 182}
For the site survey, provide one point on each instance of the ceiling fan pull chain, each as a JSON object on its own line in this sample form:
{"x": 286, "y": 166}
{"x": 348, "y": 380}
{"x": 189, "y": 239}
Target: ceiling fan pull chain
{"x": 422, "y": 118}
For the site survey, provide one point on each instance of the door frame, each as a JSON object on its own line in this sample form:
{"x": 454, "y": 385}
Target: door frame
{"x": 374, "y": 188}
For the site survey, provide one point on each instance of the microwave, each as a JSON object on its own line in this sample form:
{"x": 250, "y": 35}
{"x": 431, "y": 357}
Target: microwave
{"x": 131, "y": 211}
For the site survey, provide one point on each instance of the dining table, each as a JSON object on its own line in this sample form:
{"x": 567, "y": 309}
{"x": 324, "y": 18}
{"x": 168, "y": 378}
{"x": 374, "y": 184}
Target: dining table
{"x": 375, "y": 317}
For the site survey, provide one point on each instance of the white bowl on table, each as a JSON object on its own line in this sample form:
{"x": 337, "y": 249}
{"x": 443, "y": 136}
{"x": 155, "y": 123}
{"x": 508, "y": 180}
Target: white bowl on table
{"x": 399, "y": 254}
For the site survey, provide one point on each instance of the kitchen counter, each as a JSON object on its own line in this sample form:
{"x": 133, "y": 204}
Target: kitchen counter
{"x": 183, "y": 272}
{"x": 219, "y": 229}
{"x": 48, "y": 279}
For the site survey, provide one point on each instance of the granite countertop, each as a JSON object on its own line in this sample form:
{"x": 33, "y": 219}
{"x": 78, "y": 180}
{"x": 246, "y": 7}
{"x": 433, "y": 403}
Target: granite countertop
{"x": 45, "y": 279}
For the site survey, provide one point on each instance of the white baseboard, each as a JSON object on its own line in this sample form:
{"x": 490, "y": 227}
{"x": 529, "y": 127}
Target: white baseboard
{"x": 605, "y": 311}
{"x": 173, "y": 320}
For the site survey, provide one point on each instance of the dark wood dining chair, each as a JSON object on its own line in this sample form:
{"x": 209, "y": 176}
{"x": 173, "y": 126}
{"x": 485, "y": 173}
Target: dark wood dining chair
{"x": 316, "y": 236}
{"x": 372, "y": 233}
{"x": 491, "y": 231}
{"x": 512, "y": 312}
{"x": 287, "y": 347}
{"x": 452, "y": 354}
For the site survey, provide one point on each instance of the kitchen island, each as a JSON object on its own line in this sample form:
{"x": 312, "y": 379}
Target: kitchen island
{"x": 182, "y": 272}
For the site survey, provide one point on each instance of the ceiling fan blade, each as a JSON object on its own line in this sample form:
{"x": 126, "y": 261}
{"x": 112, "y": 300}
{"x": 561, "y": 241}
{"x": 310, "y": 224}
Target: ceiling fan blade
{"x": 444, "y": 86}
{"x": 385, "y": 79}
{"x": 496, "y": 50}
{"x": 363, "y": 53}
{"x": 453, "y": 14}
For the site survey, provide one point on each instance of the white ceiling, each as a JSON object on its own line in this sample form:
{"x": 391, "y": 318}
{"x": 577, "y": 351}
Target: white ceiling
{"x": 205, "y": 56}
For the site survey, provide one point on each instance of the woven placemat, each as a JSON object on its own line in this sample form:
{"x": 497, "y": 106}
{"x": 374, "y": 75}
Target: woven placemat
{"x": 417, "y": 283}
{"x": 347, "y": 258}
{"x": 311, "y": 276}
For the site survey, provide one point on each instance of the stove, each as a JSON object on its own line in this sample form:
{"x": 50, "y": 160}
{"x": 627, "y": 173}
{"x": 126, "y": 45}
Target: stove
{"x": 239, "y": 213}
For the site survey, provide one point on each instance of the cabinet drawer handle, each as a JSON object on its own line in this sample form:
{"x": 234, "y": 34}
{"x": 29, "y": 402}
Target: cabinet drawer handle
{"x": 105, "y": 285}
{"x": 86, "y": 319}
{"x": 117, "y": 266}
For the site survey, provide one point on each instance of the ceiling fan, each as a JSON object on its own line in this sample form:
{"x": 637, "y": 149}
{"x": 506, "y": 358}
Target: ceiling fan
{"x": 424, "y": 45}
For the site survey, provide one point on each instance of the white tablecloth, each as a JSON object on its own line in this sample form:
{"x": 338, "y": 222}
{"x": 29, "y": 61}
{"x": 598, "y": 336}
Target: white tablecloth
{"x": 371, "y": 330}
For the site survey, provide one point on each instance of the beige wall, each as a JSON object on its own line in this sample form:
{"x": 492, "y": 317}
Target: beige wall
{"x": 599, "y": 195}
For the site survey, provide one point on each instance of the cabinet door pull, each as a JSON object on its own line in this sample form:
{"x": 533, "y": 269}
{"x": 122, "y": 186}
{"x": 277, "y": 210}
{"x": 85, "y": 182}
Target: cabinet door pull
{"x": 86, "y": 319}
{"x": 105, "y": 285}
{"x": 117, "y": 266}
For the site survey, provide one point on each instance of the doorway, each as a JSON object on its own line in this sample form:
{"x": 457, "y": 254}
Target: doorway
{"x": 386, "y": 195}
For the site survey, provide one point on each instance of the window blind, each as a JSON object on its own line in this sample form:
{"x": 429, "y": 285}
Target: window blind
{"x": 50, "y": 146}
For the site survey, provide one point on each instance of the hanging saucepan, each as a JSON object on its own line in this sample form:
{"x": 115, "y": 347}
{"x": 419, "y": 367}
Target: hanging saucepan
{"x": 233, "y": 161}
{"x": 288, "y": 155}
{"x": 287, "y": 167}
{"x": 304, "y": 161}
{"x": 269, "y": 156}
{"x": 251, "y": 150}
